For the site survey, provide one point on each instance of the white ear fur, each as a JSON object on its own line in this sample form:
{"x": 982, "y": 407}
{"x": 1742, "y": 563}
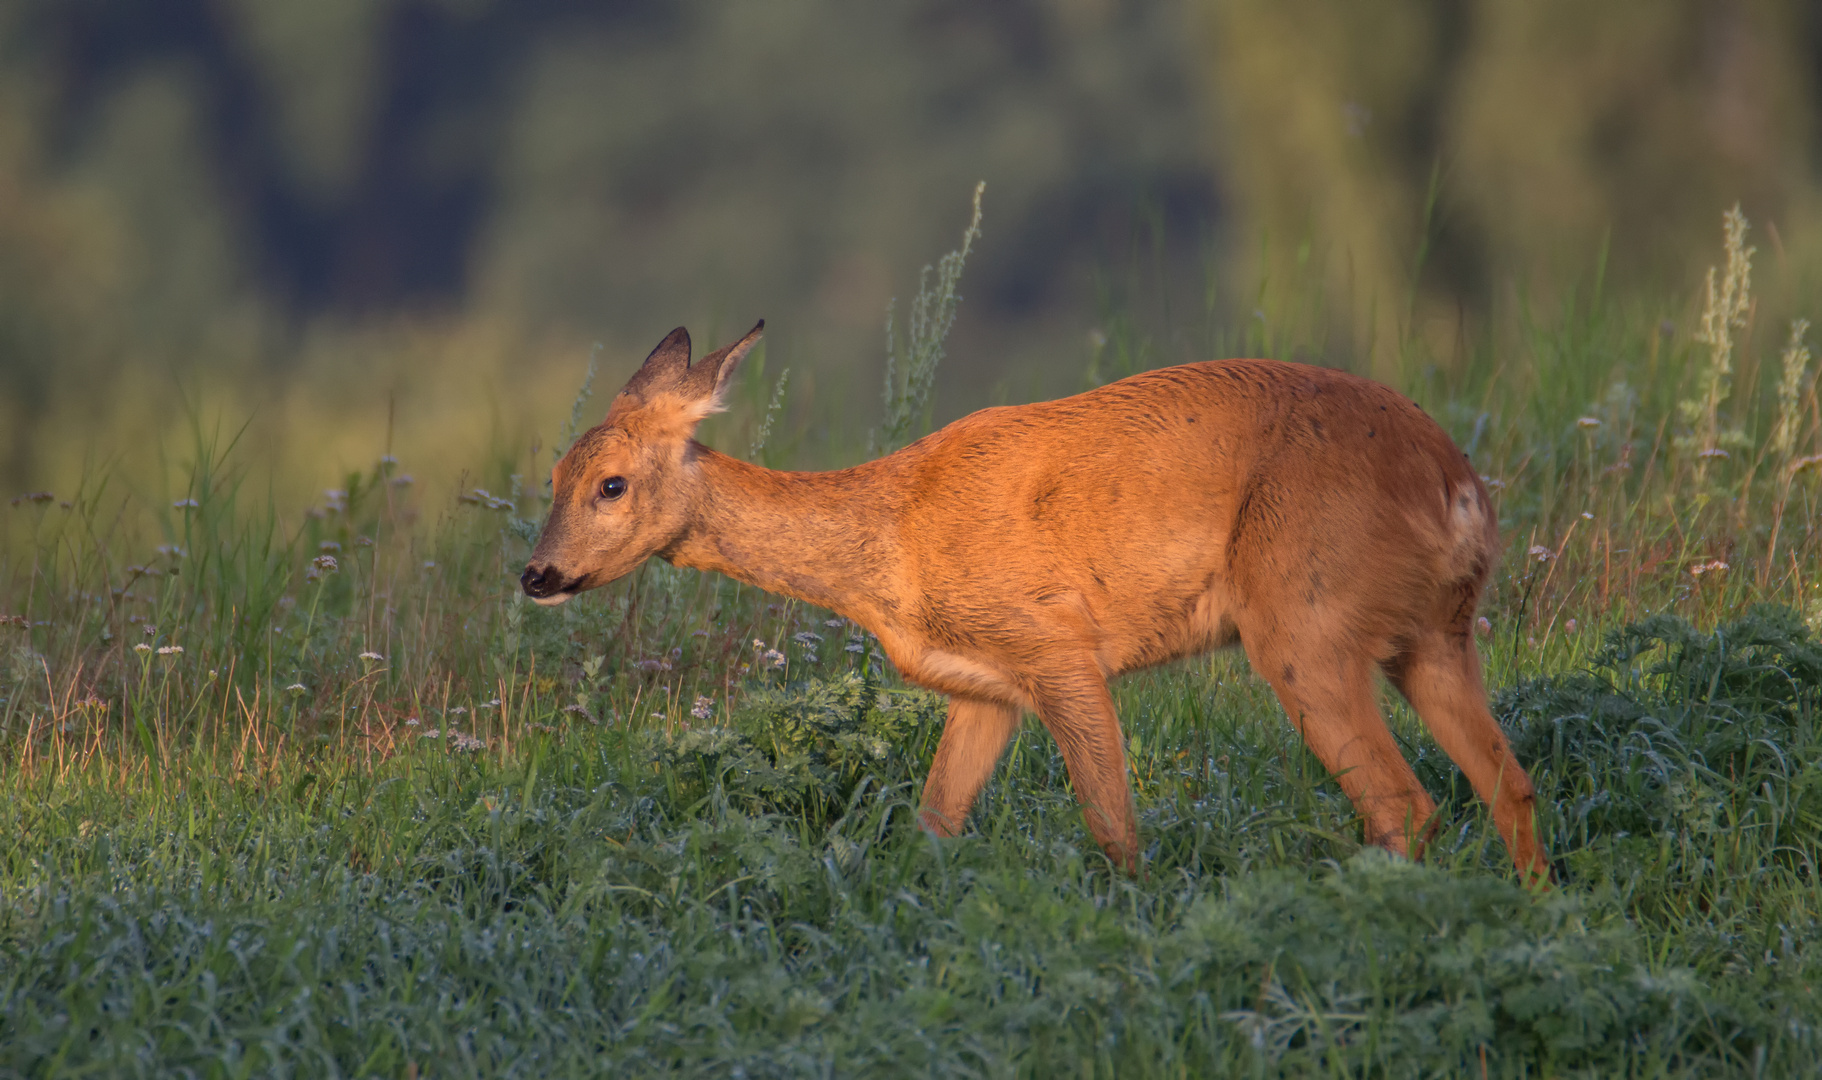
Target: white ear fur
{"x": 727, "y": 362}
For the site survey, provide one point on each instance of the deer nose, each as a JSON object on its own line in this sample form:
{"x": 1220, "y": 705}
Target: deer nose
{"x": 538, "y": 582}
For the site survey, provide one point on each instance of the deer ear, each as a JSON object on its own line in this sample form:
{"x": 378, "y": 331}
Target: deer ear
{"x": 711, "y": 376}
{"x": 665, "y": 368}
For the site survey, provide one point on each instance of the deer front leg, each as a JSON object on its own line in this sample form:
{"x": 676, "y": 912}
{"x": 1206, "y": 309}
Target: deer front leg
{"x": 974, "y": 735}
{"x": 1079, "y": 714}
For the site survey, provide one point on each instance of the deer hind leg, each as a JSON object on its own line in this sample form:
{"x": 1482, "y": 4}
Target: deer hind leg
{"x": 974, "y": 735}
{"x": 1078, "y": 711}
{"x": 1440, "y": 676}
{"x": 1327, "y": 692}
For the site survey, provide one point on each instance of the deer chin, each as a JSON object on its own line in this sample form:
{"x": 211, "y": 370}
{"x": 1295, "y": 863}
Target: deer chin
{"x": 553, "y": 599}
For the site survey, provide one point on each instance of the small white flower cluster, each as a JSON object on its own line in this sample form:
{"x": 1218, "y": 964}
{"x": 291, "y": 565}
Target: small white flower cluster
{"x": 704, "y": 708}
{"x": 1541, "y": 553}
{"x": 320, "y": 567}
{"x": 765, "y": 654}
{"x": 170, "y": 650}
{"x": 465, "y": 742}
{"x": 1713, "y": 566}
{"x": 372, "y": 657}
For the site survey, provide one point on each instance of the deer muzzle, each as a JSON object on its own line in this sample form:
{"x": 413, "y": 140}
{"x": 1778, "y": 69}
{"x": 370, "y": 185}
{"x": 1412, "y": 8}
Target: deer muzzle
{"x": 546, "y": 584}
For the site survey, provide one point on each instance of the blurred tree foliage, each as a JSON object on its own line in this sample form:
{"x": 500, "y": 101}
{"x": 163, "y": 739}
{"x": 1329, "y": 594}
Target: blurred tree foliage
{"x": 362, "y": 220}
{"x": 321, "y": 201}
{"x": 1474, "y": 148}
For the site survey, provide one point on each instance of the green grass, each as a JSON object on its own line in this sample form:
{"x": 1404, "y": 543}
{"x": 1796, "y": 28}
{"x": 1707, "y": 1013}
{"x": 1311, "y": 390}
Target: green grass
{"x": 756, "y": 896}
{"x": 386, "y": 818}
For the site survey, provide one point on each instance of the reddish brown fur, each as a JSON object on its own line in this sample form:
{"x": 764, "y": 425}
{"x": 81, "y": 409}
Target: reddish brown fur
{"x": 1021, "y": 557}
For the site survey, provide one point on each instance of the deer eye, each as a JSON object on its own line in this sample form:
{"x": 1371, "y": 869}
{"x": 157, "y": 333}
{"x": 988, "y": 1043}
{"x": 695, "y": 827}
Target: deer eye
{"x": 613, "y": 487}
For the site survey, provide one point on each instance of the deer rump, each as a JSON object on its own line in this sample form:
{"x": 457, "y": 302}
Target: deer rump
{"x": 1022, "y": 556}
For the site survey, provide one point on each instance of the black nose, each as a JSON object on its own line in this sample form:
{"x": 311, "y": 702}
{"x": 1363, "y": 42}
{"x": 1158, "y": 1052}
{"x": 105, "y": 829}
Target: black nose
{"x": 538, "y": 582}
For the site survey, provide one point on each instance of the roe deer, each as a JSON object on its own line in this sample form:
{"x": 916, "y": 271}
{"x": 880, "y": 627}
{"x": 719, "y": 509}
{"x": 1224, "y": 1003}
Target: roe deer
{"x": 1021, "y": 557}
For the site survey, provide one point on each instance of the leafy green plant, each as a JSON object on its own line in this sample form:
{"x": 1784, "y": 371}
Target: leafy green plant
{"x": 806, "y": 750}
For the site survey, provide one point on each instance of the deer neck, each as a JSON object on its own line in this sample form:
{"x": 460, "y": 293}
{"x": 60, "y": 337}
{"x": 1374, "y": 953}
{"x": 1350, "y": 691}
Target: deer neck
{"x": 825, "y": 538}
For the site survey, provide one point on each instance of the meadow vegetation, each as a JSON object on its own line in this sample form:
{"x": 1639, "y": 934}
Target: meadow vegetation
{"x": 318, "y": 791}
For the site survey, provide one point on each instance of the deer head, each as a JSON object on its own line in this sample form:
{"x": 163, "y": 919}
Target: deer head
{"x": 628, "y": 489}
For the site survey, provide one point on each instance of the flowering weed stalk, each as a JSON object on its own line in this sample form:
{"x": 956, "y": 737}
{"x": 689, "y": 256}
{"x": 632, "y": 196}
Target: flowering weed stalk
{"x": 1727, "y": 300}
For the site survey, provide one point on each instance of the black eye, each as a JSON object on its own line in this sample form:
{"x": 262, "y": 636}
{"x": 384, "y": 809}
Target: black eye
{"x": 613, "y": 487}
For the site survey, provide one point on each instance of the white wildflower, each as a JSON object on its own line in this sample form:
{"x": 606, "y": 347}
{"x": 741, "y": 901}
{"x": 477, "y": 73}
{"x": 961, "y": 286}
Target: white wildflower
{"x": 142, "y": 647}
{"x": 170, "y": 650}
{"x": 704, "y": 708}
